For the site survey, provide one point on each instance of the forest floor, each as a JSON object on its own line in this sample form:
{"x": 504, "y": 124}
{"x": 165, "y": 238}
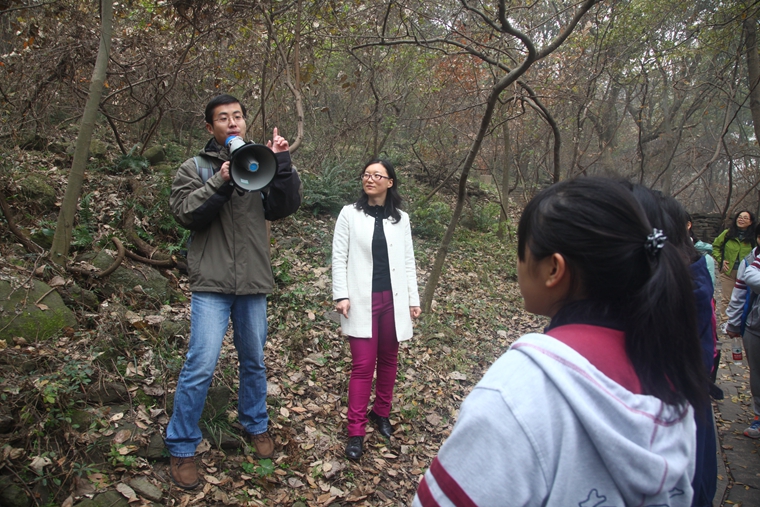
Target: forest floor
{"x": 476, "y": 315}
{"x": 54, "y": 459}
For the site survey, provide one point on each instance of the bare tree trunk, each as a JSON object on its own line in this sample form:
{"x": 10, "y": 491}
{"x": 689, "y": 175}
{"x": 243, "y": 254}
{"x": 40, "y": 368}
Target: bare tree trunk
{"x": 506, "y": 169}
{"x": 753, "y": 71}
{"x": 63, "y": 231}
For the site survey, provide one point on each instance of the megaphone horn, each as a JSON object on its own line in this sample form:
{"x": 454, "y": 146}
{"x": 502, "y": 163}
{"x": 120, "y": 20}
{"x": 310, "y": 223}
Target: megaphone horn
{"x": 252, "y": 166}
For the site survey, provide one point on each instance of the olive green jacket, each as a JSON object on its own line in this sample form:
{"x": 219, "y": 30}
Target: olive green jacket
{"x": 229, "y": 250}
{"x": 733, "y": 251}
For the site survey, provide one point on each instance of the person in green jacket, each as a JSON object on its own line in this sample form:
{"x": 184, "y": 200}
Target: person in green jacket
{"x": 729, "y": 248}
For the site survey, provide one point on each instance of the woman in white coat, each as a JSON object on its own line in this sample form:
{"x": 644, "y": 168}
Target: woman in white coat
{"x": 375, "y": 292}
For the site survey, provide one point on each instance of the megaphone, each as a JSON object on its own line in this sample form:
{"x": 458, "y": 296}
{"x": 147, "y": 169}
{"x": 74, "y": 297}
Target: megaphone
{"x": 252, "y": 166}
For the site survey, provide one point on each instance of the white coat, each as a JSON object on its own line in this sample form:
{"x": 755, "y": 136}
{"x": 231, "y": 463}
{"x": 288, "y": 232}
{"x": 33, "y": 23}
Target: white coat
{"x": 352, "y": 271}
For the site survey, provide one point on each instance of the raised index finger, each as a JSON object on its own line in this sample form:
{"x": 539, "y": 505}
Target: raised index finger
{"x": 274, "y": 134}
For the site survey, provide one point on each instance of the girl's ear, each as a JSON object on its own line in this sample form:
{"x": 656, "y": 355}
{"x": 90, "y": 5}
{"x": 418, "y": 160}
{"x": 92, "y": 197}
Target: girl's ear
{"x": 559, "y": 273}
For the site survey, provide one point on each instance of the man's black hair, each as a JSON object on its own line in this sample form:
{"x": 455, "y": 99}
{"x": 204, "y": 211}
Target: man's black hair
{"x": 217, "y": 101}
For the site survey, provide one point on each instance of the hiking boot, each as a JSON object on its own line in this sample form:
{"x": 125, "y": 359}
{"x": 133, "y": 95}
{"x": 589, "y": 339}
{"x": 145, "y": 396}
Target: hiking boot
{"x": 184, "y": 472}
{"x": 754, "y": 429}
{"x": 263, "y": 444}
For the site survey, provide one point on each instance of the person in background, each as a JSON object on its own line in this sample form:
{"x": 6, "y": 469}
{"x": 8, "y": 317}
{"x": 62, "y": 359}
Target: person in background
{"x": 744, "y": 320}
{"x": 703, "y": 248}
{"x": 609, "y": 385}
{"x": 706, "y": 250}
{"x": 667, "y": 213}
{"x": 230, "y": 276}
{"x": 375, "y": 291}
{"x": 729, "y": 248}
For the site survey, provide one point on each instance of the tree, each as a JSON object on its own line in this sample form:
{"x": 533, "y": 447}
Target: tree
{"x": 63, "y": 231}
{"x": 487, "y": 36}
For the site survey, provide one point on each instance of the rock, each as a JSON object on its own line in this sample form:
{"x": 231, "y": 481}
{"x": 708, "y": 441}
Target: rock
{"x": 58, "y": 147}
{"x": 81, "y": 419}
{"x": 170, "y": 328}
{"x": 107, "y": 393}
{"x": 21, "y": 315}
{"x": 152, "y": 282}
{"x": 12, "y": 495}
{"x": 43, "y": 237}
{"x": 108, "y": 499}
{"x": 273, "y": 389}
{"x": 155, "y": 449}
{"x": 36, "y": 189}
{"x": 87, "y": 298}
{"x": 34, "y": 143}
{"x": 98, "y": 149}
{"x": 217, "y": 401}
{"x": 167, "y": 169}
{"x": 333, "y": 316}
{"x": 155, "y": 155}
{"x": 147, "y": 489}
{"x": 7, "y": 423}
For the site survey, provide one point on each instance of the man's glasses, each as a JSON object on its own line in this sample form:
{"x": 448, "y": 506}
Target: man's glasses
{"x": 376, "y": 176}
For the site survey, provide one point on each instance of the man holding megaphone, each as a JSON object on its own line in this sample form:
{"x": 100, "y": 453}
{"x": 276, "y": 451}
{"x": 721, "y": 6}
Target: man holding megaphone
{"x": 225, "y": 195}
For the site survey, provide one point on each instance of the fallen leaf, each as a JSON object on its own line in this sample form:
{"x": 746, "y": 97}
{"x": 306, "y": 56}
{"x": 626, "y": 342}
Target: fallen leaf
{"x": 39, "y": 463}
{"x": 211, "y": 479}
{"x": 295, "y": 483}
{"x": 122, "y": 436}
{"x": 126, "y": 491}
{"x": 57, "y": 281}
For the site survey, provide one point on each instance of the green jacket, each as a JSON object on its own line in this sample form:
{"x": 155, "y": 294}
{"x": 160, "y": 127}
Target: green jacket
{"x": 733, "y": 251}
{"x": 229, "y": 251}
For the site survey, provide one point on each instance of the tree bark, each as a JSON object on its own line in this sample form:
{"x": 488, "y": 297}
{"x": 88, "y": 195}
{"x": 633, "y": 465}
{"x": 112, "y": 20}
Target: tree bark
{"x": 753, "y": 71}
{"x": 63, "y": 231}
{"x": 506, "y": 168}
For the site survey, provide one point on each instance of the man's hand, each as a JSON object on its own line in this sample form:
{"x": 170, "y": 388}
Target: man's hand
{"x": 225, "y": 171}
{"x": 733, "y": 335}
{"x": 278, "y": 143}
{"x": 342, "y": 307}
{"x": 725, "y": 264}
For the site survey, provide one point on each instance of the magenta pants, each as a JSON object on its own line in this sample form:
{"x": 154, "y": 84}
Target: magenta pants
{"x": 380, "y": 350}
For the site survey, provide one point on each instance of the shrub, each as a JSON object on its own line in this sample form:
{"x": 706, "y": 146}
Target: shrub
{"x": 330, "y": 190}
{"x": 431, "y": 219}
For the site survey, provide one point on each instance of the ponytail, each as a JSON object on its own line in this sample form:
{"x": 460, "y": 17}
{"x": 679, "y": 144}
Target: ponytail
{"x": 616, "y": 261}
{"x": 661, "y": 332}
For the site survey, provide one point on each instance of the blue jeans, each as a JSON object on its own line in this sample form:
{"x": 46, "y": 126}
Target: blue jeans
{"x": 209, "y": 318}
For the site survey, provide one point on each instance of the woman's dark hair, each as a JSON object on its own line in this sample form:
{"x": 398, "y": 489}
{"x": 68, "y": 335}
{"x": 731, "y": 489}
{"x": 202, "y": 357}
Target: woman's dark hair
{"x": 392, "y": 199}
{"x": 667, "y": 214}
{"x": 220, "y": 100}
{"x": 692, "y": 236}
{"x": 600, "y": 229}
{"x": 749, "y": 235}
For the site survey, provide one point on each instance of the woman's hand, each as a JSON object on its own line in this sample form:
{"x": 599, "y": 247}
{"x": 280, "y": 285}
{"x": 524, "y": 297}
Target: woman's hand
{"x": 342, "y": 307}
{"x": 725, "y": 267}
{"x": 415, "y": 311}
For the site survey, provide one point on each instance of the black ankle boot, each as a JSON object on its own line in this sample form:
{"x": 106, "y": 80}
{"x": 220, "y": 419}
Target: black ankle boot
{"x": 383, "y": 424}
{"x": 354, "y": 448}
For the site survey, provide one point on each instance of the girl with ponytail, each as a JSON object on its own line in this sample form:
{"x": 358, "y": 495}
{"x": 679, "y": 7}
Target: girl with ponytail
{"x": 597, "y": 410}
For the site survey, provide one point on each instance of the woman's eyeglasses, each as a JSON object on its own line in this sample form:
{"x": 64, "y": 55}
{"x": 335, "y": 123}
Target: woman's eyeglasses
{"x": 376, "y": 176}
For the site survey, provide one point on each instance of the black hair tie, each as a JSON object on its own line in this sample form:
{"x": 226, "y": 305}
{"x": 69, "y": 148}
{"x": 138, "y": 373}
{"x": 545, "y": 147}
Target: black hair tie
{"x": 655, "y": 242}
